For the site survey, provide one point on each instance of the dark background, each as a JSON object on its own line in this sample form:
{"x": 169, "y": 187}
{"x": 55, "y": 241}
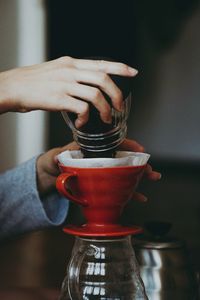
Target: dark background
{"x": 158, "y": 38}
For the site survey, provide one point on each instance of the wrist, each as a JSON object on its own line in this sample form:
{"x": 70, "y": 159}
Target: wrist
{"x": 6, "y": 92}
{"x": 45, "y": 181}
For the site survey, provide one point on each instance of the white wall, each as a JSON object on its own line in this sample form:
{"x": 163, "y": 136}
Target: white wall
{"x": 23, "y": 42}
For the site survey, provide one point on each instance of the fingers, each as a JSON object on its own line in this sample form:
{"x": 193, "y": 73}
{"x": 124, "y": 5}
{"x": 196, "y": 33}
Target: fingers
{"x": 71, "y": 104}
{"x": 104, "y": 82}
{"x": 152, "y": 175}
{"x": 93, "y": 95}
{"x": 131, "y": 145}
{"x": 71, "y": 146}
{"x": 85, "y": 80}
{"x": 139, "y": 197}
{"x": 105, "y": 66}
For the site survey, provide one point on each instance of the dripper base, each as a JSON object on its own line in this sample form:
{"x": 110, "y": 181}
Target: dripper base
{"x": 88, "y": 230}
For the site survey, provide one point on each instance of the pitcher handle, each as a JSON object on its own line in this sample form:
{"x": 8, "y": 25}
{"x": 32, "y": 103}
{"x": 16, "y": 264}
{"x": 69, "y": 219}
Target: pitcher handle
{"x": 61, "y": 184}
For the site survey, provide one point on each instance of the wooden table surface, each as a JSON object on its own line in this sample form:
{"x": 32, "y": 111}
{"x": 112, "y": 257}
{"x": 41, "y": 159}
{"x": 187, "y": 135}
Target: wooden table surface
{"x": 38, "y": 259}
{"x": 29, "y": 294}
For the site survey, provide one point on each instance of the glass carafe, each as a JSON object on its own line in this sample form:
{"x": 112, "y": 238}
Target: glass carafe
{"x": 103, "y": 269}
{"x": 99, "y": 139}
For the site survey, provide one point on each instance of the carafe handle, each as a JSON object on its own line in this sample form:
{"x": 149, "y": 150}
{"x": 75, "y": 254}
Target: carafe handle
{"x": 61, "y": 185}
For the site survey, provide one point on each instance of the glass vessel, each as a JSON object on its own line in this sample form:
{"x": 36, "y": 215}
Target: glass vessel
{"x": 97, "y": 138}
{"x": 103, "y": 269}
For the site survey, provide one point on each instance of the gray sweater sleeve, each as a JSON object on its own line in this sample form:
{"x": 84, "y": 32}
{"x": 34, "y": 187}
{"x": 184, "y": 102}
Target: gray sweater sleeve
{"x": 21, "y": 209}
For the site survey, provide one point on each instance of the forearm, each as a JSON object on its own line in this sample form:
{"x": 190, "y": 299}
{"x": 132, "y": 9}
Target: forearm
{"x": 4, "y": 92}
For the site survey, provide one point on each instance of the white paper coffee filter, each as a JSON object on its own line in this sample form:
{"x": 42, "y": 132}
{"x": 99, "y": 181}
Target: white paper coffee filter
{"x": 122, "y": 158}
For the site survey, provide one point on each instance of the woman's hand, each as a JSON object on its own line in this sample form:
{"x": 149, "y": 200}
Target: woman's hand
{"x": 131, "y": 145}
{"x": 67, "y": 84}
{"x": 47, "y": 168}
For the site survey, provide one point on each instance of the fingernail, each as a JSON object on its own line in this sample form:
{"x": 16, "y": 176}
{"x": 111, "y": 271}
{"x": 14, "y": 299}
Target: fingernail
{"x": 56, "y": 159}
{"x": 121, "y": 106}
{"x": 159, "y": 176}
{"x": 141, "y": 149}
{"x": 132, "y": 71}
{"x": 78, "y": 123}
{"x": 108, "y": 120}
{"x": 144, "y": 199}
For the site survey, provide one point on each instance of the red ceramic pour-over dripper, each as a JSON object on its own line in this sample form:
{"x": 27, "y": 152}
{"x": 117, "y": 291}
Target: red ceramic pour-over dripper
{"x": 102, "y": 194}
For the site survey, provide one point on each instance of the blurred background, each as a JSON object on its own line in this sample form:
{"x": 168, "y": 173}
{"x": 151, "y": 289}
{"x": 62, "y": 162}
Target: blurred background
{"x": 159, "y": 38}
